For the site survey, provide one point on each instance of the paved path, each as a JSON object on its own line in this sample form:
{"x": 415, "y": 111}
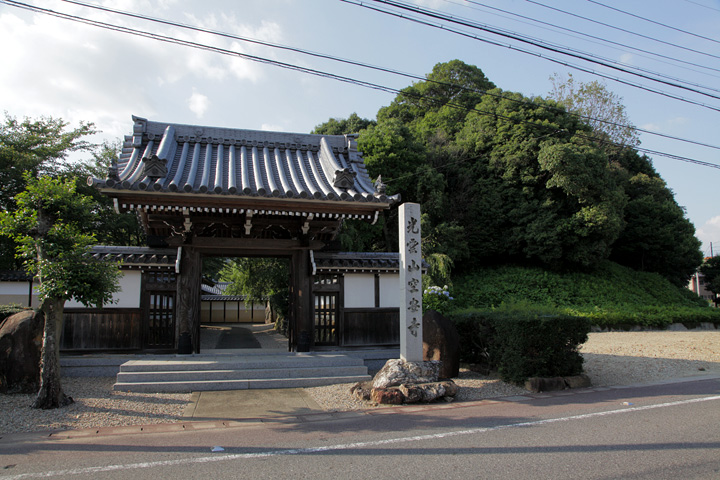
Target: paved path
{"x": 659, "y": 431}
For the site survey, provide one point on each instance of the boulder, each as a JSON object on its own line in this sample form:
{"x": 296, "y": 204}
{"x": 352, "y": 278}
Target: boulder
{"x": 398, "y": 372}
{"x": 21, "y": 338}
{"x": 388, "y": 396}
{"x": 415, "y": 393}
{"x": 441, "y": 342}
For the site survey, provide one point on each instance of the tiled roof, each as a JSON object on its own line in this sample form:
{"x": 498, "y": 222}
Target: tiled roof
{"x": 14, "y": 276}
{"x": 360, "y": 262}
{"x": 137, "y": 256}
{"x": 191, "y": 159}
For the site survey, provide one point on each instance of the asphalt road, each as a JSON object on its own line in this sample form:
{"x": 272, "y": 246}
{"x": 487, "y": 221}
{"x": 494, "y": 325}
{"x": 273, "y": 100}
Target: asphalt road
{"x": 666, "y": 431}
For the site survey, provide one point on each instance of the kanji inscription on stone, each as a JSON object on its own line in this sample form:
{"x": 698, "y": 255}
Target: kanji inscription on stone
{"x": 410, "y": 283}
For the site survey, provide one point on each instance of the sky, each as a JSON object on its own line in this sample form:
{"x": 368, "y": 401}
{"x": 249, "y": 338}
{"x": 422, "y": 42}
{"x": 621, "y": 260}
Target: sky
{"x": 81, "y": 73}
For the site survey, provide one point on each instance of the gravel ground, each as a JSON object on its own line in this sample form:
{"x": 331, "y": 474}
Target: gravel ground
{"x": 614, "y": 358}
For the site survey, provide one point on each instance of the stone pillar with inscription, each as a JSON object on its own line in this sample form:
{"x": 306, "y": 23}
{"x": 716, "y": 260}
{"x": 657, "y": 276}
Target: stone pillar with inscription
{"x": 411, "y": 344}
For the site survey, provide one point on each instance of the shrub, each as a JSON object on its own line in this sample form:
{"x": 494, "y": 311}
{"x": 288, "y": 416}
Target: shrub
{"x": 12, "y": 309}
{"x": 521, "y": 344}
{"x": 438, "y": 299}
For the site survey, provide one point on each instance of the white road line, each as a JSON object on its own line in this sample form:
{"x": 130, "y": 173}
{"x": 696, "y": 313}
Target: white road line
{"x": 346, "y": 446}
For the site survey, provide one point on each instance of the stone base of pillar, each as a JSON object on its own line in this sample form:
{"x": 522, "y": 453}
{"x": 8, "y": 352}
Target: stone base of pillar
{"x": 185, "y": 344}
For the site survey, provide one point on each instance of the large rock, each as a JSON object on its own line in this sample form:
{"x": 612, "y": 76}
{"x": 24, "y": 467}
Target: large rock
{"x": 441, "y": 342}
{"x": 414, "y": 393}
{"x": 20, "y": 347}
{"x": 399, "y": 372}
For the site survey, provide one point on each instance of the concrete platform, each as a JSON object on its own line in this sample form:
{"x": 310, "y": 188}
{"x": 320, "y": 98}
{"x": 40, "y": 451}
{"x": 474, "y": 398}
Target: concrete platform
{"x": 250, "y": 404}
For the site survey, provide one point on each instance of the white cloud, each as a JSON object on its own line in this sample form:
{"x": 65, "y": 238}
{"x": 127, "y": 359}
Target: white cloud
{"x": 710, "y": 232}
{"x": 198, "y": 103}
{"x": 627, "y": 58}
{"x": 58, "y": 68}
{"x": 268, "y": 127}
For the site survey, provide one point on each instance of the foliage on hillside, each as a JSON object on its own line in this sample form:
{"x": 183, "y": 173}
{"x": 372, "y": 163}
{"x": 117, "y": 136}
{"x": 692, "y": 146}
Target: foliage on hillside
{"x": 502, "y": 178}
{"x": 611, "y": 295}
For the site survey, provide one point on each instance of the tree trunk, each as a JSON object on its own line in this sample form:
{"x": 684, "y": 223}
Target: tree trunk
{"x": 51, "y": 394}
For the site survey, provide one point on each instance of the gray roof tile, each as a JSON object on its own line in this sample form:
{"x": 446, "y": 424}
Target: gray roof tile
{"x": 165, "y": 157}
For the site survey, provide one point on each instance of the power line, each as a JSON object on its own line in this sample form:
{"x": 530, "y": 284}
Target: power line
{"x": 702, "y": 5}
{"x": 654, "y": 22}
{"x": 536, "y": 54}
{"x": 511, "y": 35}
{"x": 604, "y": 40}
{"x": 306, "y": 70}
{"x": 361, "y": 64}
{"x": 623, "y": 29}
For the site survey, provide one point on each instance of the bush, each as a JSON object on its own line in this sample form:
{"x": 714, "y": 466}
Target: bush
{"x": 438, "y": 299}
{"x": 522, "y": 344}
{"x": 12, "y": 309}
{"x": 611, "y": 296}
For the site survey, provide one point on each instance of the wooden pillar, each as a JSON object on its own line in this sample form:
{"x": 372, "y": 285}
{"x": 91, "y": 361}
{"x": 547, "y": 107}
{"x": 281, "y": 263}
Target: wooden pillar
{"x": 188, "y": 301}
{"x": 302, "y": 301}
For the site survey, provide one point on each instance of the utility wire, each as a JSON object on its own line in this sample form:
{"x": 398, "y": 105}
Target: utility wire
{"x": 602, "y": 39}
{"x": 622, "y": 29}
{"x": 654, "y": 22}
{"x": 703, "y": 5}
{"x": 364, "y": 65}
{"x": 529, "y": 52}
{"x": 553, "y": 48}
{"x": 306, "y": 70}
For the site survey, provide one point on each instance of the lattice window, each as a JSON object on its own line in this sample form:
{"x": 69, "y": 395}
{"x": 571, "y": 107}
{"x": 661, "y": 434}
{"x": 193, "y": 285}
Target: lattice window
{"x": 326, "y": 316}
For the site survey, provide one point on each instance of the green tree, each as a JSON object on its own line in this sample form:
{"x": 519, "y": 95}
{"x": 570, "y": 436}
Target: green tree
{"x": 539, "y": 191}
{"x": 657, "y": 236}
{"x": 39, "y": 147}
{"x": 711, "y": 270}
{"x": 342, "y": 126}
{"x": 259, "y": 280}
{"x": 50, "y": 225}
{"x": 602, "y": 109}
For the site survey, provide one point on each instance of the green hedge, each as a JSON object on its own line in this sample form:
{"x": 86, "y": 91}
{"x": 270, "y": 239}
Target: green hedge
{"x": 610, "y": 296}
{"x": 522, "y": 344}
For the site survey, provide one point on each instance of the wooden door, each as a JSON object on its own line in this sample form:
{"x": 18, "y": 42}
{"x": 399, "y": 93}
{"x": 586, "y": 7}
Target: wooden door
{"x": 159, "y": 311}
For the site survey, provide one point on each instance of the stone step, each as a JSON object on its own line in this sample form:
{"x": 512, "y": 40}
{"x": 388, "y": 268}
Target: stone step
{"x": 203, "y": 373}
{"x": 238, "y": 373}
{"x": 291, "y": 361}
{"x": 239, "y": 384}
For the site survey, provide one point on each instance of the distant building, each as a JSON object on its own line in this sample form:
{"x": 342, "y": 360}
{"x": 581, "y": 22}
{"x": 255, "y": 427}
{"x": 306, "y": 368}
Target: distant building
{"x": 697, "y": 285}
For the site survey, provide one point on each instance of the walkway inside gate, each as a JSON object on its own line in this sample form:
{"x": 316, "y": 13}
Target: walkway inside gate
{"x": 220, "y": 338}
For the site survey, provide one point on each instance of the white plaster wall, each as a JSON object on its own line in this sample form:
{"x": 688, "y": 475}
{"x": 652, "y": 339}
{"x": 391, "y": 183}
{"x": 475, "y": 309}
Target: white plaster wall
{"x": 359, "y": 290}
{"x": 390, "y": 291}
{"x": 17, "y": 292}
{"x": 127, "y": 297}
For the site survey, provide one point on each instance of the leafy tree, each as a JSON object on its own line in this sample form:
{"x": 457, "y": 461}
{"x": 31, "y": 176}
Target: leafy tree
{"x": 343, "y": 126}
{"x": 541, "y": 189}
{"x": 439, "y": 104}
{"x": 599, "y": 107}
{"x": 50, "y": 224}
{"x": 259, "y": 280}
{"x": 657, "y": 236}
{"x": 711, "y": 270}
{"x": 38, "y": 147}
{"x": 502, "y": 178}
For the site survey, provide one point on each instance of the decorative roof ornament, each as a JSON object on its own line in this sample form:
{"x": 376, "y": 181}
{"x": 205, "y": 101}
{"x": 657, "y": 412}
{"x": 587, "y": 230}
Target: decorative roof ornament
{"x": 380, "y": 186}
{"x": 344, "y": 178}
{"x": 155, "y": 167}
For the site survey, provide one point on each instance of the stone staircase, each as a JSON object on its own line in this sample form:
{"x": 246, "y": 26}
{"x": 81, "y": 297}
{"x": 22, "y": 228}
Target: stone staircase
{"x": 238, "y": 372}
